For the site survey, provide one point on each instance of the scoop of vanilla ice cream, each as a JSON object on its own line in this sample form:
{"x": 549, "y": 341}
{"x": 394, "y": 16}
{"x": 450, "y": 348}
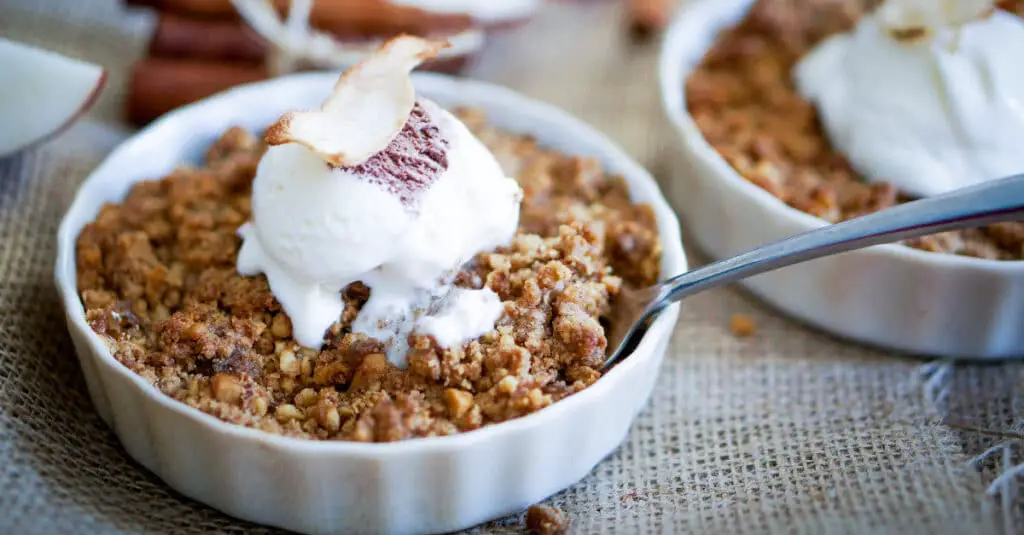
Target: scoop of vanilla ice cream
{"x": 317, "y": 228}
{"x": 928, "y": 108}
{"x": 313, "y": 230}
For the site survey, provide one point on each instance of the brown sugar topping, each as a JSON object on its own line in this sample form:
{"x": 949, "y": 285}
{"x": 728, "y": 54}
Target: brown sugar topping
{"x": 743, "y": 99}
{"x": 157, "y": 276}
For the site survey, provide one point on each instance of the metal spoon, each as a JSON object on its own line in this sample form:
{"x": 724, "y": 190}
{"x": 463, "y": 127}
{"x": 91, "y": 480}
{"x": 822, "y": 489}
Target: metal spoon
{"x": 990, "y": 202}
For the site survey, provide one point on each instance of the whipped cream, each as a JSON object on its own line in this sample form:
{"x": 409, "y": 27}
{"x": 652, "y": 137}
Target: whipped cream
{"x": 487, "y": 11}
{"x": 402, "y": 220}
{"x": 927, "y": 95}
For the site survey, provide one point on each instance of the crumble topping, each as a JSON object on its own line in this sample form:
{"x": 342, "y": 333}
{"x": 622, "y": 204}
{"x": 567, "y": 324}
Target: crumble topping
{"x": 157, "y": 276}
{"x": 743, "y": 99}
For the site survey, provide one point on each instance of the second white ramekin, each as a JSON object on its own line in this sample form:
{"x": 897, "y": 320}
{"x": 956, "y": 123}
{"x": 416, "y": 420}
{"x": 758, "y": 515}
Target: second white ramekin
{"x": 419, "y": 486}
{"x": 890, "y": 296}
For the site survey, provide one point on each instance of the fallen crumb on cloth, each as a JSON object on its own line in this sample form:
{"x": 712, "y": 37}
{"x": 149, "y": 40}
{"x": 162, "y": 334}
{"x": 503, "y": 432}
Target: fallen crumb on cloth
{"x": 546, "y": 520}
{"x": 742, "y": 325}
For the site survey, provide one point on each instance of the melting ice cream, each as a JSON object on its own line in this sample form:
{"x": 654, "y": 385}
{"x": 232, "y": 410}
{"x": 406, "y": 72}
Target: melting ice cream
{"x": 387, "y": 188}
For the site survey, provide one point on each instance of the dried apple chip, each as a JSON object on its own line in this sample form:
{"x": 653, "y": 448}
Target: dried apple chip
{"x": 367, "y": 108}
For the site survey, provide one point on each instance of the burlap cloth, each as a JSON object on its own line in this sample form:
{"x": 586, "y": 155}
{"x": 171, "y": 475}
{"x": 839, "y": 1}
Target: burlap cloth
{"x": 787, "y": 431}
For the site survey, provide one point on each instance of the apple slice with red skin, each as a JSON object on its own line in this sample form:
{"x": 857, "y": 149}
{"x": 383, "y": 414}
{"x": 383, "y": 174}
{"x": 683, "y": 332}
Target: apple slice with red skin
{"x": 42, "y": 93}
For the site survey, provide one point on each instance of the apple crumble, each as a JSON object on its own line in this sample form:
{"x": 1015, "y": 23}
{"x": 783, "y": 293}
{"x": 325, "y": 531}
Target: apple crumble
{"x": 743, "y": 99}
{"x": 158, "y": 279}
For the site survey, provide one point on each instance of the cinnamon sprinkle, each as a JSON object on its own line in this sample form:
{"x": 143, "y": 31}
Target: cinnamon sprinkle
{"x": 414, "y": 160}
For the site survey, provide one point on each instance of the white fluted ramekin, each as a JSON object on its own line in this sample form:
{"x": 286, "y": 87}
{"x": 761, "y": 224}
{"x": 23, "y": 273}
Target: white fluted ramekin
{"x": 890, "y": 296}
{"x": 418, "y": 486}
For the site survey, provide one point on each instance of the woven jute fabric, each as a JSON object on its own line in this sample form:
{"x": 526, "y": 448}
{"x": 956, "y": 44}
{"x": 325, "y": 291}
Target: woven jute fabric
{"x": 787, "y": 431}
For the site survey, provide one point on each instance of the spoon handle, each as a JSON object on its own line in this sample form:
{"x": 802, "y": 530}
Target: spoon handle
{"x": 983, "y": 204}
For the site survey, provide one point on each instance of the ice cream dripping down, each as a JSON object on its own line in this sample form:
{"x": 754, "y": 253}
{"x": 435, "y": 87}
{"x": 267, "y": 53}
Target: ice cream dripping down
{"x": 382, "y": 187}
{"x": 925, "y": 94}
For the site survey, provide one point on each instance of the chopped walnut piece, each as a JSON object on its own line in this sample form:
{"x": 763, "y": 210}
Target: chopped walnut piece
{"x": 281, "y": 327}
{"x": 305, "y": 398}
{"x": 288, "y": 363}
{"x": 459, "y": 402}
{"x": 329, "y": 418}
{"x": 508, "y": 384}
{"x": 260, "y": 406}
{"x": 546, "y": 520}
{"x": 226, "y": 388}
{"x": 370, "y": 372}
{"x": 287, "y": 412}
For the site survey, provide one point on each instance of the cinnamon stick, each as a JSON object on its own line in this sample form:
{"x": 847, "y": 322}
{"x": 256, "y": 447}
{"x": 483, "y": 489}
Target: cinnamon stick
{"x": 177, "y": 36}
{"x": 367, "y": 17}
{"x": 159, "y": 85}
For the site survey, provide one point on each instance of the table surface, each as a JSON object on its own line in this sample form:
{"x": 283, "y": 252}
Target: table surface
{"x": 789, "y": 430}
